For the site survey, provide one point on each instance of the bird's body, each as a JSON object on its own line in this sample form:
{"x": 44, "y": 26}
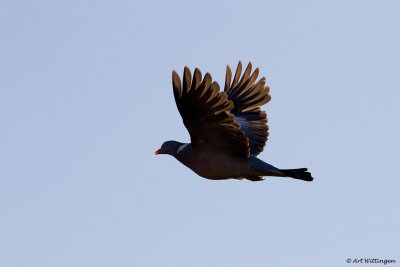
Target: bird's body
{"x": 217, "y": 165}
{"x": 212, "y": 164}
{"x": 228, "y": 129}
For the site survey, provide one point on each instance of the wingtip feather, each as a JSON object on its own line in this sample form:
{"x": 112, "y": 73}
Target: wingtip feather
{"x": 228, "y": 78}
{"x": 176, "y": 82}
{"x": 187, "y": 79}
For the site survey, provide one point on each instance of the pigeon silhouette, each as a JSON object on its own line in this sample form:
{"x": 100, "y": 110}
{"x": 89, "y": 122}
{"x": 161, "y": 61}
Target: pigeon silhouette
{"x": 227, "y": 129}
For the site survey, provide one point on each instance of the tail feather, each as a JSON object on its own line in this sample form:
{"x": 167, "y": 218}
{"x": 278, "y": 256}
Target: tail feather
{"x": 301, "y": 174}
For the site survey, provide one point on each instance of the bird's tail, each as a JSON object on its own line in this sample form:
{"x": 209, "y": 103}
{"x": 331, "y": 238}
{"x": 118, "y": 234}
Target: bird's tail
{"x": 301, "y": 174}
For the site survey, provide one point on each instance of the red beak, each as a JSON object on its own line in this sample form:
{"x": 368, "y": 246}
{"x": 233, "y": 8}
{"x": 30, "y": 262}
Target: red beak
{"x": 157, "y": 152}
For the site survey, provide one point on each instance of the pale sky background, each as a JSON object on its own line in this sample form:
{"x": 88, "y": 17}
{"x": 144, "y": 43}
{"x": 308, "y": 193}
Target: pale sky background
{"x": 86, "y": 99}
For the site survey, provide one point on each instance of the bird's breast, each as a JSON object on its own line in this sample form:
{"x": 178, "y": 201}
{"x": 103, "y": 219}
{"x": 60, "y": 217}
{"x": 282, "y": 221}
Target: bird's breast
{"x": 215, "y": 165}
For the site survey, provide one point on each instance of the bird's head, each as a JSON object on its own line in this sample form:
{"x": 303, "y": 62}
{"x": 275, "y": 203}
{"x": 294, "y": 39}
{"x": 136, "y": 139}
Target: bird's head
{"x": 169, "y": 147}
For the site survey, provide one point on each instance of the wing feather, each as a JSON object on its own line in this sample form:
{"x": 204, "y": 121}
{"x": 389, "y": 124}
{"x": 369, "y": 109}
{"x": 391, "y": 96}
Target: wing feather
{"x": 206, "y": 114}
{"x": 248, "y": 96}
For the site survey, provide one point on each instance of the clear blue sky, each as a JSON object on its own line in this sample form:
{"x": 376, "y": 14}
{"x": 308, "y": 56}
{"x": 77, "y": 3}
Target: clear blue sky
{"x": 86, "y": 99}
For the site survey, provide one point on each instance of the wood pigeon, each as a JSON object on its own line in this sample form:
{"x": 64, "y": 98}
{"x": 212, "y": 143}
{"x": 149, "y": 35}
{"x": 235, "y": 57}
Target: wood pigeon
{"x": 227, "y": 129}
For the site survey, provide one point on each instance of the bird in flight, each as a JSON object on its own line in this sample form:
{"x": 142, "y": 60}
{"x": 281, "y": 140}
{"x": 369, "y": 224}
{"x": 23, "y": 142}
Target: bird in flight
{"x": 227, "y": 129}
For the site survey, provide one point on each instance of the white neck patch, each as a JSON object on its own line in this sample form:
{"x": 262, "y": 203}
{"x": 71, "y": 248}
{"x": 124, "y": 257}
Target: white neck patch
{"x": 181, "y": 147}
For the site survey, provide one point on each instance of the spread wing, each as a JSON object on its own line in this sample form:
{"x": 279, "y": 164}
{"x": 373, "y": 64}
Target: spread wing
{"x": 205, "y": 113}
{"x": 248, "y": 96}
